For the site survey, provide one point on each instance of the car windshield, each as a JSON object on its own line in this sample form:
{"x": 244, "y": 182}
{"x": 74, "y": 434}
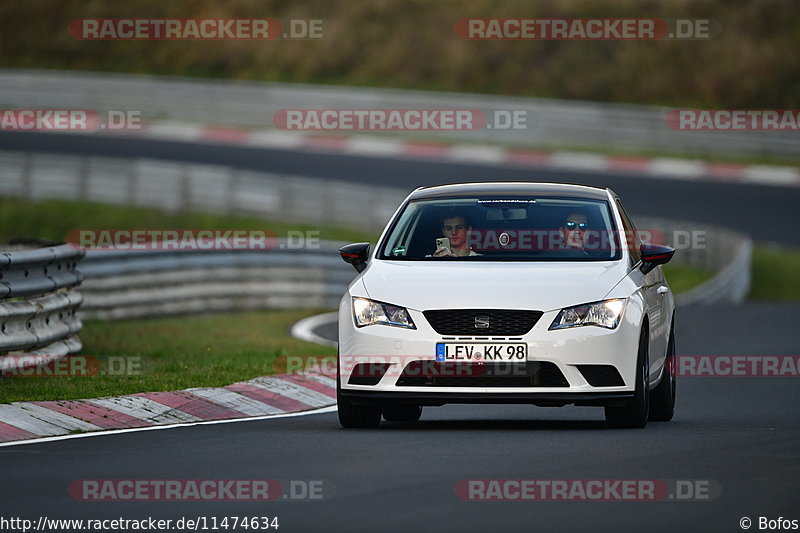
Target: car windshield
{"x": 504, "y": 228}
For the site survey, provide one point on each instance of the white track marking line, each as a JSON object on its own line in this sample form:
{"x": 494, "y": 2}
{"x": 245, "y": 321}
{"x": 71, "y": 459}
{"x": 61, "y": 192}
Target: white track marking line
{"x": 579, "y": 160}
{"x": 237, "y": 402}
{"x": 171, "y": 130}
{"x": 304, "y": 329}
{"x": 275, "y": 139}
{"x": 676, "y": 168}
{"x": 369, "y": 146}
{"x": 490, "y": 155}
{"x": 145, "y": 409}
{"x": 324, "y": 410}
{"x": 771, "y": 175}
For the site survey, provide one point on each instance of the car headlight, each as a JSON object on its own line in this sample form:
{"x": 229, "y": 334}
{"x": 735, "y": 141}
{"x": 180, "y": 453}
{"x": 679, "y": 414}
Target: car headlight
{"x": 368, "y": 312}
{"x": 604, "y": 314}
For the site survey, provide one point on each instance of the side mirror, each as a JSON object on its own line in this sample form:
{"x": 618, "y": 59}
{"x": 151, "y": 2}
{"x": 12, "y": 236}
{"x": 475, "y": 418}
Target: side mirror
{"x": 356, "y": 254}
{"x": 654, "y": 255}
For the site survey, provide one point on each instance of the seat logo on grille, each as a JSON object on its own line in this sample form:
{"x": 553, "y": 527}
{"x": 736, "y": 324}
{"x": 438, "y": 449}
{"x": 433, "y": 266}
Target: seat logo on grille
{"x": 481, "y": 322}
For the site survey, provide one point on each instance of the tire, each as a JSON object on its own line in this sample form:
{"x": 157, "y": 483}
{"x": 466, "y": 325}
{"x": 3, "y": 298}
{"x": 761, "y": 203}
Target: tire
{"x": 662, "y": 398}
{"x": 402, "y": 413}
{"x": 355, "y": 416}
{"x": 633, "y": 414}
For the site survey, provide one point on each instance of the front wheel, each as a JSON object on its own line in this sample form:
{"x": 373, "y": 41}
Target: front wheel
{"x": 662, "y": 399}
{"x": 355, "y": 416}
{"x": 633, "y": 414}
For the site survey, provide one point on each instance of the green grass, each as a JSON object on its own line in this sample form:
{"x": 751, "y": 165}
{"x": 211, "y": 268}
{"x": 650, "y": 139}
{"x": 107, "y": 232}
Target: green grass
{"x": 174, "y": 353}
{"x": 54, "y": 219}
{"x": 776, "y": 274}
{"x": 681, "y": 278}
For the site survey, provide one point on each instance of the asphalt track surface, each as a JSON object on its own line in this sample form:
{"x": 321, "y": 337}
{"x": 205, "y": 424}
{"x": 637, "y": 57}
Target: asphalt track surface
{"x": 740, "y": 433}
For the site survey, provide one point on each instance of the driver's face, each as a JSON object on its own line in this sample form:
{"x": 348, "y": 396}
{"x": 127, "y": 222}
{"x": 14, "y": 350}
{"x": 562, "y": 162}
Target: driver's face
{"x": 573, "y": 228}
{"x": 455, "y": 229}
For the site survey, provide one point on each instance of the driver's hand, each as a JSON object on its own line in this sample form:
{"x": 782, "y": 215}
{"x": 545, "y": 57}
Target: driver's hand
{"x": 443, "y": 252}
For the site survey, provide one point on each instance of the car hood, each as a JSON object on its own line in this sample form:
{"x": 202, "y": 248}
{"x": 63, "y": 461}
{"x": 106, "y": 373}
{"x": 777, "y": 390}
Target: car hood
{"x": 543, "y": 286}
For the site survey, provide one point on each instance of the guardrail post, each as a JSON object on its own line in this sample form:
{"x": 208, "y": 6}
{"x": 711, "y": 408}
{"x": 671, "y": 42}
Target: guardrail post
{"x": 185, "y": 190}
{"x": 285, "y": 197}
{"x": 131, "y": 183}
{"x": 83, "y": 179}
{"x": 329, "y": 211}
{"x": 26, "y": 189}
{"x": 230, "y": 203}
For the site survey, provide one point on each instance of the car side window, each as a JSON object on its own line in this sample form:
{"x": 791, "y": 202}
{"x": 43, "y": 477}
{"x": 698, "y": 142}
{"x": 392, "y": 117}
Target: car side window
{"x": 630, "y": 233}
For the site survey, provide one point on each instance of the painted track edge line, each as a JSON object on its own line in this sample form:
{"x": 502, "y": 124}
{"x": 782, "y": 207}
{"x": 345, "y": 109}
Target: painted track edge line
{"x": 304, "y": 329}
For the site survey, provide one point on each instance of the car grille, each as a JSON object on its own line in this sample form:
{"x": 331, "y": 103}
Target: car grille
{"x": 498, "y": 374}
{"x": 601, "y": 375}
{"x": 505, "y": 322}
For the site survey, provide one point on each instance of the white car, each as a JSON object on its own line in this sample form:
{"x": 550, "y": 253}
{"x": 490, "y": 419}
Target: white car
{"x": 514, "y": 292}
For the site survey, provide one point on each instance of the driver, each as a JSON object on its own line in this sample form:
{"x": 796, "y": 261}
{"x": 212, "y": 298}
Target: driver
{"x": 456, "y": 228}
{"x": 573, "y": 231}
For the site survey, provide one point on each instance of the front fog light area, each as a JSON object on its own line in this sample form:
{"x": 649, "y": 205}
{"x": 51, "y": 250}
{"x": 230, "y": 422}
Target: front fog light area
{"x": 605, "y": 314}
{"x": 368, "y": 312}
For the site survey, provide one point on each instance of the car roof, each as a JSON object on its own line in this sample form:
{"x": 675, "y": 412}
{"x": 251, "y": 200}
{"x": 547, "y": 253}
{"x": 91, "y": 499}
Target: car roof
{"x": 500, "y": 188}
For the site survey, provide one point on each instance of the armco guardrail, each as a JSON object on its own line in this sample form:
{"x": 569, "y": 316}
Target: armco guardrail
{"x": 551, "y": 123}
{"x": 208, "y": 188}
{"x": 725, "y": 252}
{"x": 731, "y": 284}
{"x": 132, "y": 284}
{"x": 38, "y": 301}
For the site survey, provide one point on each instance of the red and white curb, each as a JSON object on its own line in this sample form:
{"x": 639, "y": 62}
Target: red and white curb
{"x": 260, "y": 397}
{"x": 377, "y": 146}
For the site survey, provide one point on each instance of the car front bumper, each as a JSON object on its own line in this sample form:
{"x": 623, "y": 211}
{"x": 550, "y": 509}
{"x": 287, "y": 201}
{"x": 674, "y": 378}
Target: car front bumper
{"x": 567, "y": 349}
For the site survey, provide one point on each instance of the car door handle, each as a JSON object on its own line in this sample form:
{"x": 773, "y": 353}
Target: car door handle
{"x": 663, "y": 289}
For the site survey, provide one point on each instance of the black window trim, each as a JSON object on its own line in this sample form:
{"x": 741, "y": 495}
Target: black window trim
{"x": 618, "y": 256}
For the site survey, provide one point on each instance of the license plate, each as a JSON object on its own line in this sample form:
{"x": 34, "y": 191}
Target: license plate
{"x": 476, "y": 351}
